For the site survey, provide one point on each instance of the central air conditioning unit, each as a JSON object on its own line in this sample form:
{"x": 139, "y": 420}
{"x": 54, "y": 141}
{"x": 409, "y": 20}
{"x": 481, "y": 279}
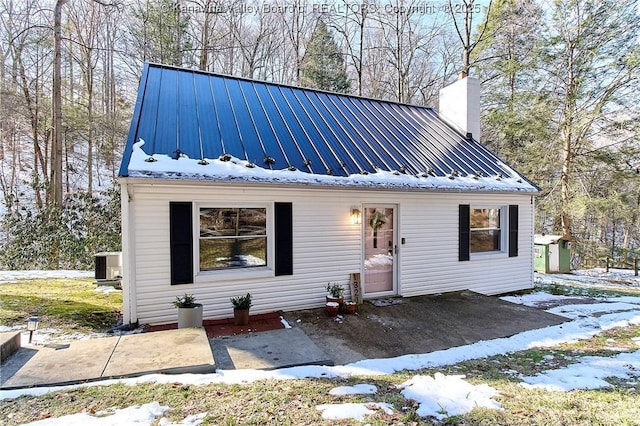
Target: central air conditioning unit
{"x": 108, "y": 266}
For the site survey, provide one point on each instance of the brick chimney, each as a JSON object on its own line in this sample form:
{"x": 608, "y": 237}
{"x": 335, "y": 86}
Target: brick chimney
{"x": 460, "y": 105}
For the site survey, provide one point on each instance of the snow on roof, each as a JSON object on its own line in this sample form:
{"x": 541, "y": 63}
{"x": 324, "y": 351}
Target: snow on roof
{"x": 213, "y": 127}
{"x": 143, "y": 165}
{"x": 546, "y": 239}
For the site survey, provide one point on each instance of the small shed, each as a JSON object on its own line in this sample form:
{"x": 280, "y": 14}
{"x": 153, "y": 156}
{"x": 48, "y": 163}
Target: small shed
{"x": 551, "y": 253}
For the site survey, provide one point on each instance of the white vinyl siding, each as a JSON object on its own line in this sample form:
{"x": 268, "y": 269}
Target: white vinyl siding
{"x": 326, "y": 246}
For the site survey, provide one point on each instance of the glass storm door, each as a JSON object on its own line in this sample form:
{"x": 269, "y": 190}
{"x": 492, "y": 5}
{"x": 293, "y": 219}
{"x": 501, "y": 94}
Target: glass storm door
{"x": 379, "y": 250}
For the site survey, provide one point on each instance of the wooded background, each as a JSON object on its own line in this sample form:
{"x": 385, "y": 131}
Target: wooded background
{"x": 558, "y": 79}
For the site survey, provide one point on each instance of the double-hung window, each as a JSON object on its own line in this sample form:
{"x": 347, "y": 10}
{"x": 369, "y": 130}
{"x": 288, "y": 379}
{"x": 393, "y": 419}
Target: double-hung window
{"x": 232, "y": 238}
{"x": 485, "y": 233}
{"x": 209, "y": 243}
{"x": 492, "y": 229}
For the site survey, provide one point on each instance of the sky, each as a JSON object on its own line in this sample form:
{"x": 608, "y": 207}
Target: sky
{"x": 437, "y": 395}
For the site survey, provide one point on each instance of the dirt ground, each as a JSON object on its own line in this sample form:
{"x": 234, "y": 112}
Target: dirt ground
{"x": 417, "y": 325}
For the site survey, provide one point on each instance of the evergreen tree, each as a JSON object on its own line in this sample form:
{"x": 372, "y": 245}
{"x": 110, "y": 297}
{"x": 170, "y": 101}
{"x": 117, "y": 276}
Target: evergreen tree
{"x": 322, "y": 65}
{"x": 83, "y": 225}
{"x": 591, "y": 64}
{"x": 516, "y": 118}
{"x": 557, "y": 105}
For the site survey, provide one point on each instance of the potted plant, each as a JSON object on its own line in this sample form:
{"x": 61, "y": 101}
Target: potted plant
{"x": 350, "y": 308}
{"x": 335, "y": 293}
{"x": 189, "y": 312}
{"x": 331, "y": 308}
{"x": 241, "y": 305}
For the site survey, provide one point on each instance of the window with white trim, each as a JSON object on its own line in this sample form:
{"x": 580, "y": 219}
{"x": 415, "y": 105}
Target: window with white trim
{"x": 487, "y": 230}
{"x": 232, "y": 238}
{"x": 485, "y": 233}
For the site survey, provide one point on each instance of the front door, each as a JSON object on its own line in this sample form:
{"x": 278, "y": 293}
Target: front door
{"x": 379, "y": 250}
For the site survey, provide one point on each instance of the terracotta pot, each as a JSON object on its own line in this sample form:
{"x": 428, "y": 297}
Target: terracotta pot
{"x": 331, "y": 309}
{"x": 241, "y": 316}
{"x": 338, "y": 300}
{"x": 350, "y": 308}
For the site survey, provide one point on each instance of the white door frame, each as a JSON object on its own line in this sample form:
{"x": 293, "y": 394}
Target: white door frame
{"x": 394, "y": 287}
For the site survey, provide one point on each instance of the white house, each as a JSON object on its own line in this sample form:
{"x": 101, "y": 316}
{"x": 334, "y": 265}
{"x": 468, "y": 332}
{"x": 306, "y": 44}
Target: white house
{"x": 232, "y": 186}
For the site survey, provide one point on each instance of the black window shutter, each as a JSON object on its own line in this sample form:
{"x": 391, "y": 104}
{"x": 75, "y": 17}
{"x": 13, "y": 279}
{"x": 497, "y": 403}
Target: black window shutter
{"x": 284, "y": 238}
{"x": 181, "y": 242}
{"x": 464, "y": 230}
{"x": 513, "y": 230}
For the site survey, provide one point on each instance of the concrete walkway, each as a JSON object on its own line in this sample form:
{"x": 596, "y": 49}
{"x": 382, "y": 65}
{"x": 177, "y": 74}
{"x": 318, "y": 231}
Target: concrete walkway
{"x": 398, "y": 327}
{"x": 171, "y": 351}
{"x": 267, "y": 350}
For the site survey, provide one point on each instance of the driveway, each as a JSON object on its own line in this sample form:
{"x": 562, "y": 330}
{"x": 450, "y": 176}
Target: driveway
{"x": 420, "y": 324}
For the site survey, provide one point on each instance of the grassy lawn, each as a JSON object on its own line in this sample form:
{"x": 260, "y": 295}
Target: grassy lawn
{"x": 294, "y": 402}
{"x": 70, "y": 305}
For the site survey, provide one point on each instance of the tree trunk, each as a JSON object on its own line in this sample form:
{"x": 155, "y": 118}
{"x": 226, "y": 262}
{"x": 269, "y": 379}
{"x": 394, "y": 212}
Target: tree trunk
{"x": 33, "y": 109}
{"x": 567, "y": 133}
{"x": 55, "y": 189}
{"x": 90, "y": 133}
{"x": 205, "y": 39}
{"x": 565, "y": 215}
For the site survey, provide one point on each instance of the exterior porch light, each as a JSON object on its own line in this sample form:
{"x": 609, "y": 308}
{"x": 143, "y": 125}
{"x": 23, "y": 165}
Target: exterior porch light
{"x": 356, "y": 216}
{"x": 32, "y": 325}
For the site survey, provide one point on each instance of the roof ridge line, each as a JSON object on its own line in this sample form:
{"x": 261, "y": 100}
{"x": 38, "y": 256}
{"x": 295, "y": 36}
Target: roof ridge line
{"x": 291, "y": 86}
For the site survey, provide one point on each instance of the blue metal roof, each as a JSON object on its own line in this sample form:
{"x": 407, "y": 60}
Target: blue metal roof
{"x": 277, "y": 127}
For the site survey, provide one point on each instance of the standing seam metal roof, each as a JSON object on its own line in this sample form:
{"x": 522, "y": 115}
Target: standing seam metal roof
{"x": 274, "y": 126}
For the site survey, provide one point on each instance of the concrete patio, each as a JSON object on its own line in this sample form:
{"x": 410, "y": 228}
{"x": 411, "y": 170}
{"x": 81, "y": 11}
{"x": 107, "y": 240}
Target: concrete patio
{"x": 388, "y": 328}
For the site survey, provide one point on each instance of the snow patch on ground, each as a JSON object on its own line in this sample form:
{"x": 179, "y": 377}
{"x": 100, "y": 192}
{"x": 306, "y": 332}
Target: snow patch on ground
{"x": 136, "y": 415}
{"x": 443, "y": 396}
{"x": 4, "y": 328}
{"x": 106, "y": 289}
{"x": 284, "y": 322}
{"x": 537, "y": 299}
{"x": 352, "y": 410}
{"x": 361, "y": 389}
{"x": 588, "y": 310}
{"x": 146, "y": 414}
{"x": 13, "y": 276}
{"x": 588, "y": 373}
{"x": 597, "y": 277}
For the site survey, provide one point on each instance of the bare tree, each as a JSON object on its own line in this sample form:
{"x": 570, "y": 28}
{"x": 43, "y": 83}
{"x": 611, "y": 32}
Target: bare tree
{"x": 467, "y": 9}
{"x": 257, "y": 42}
{"x": 25, "y": 35}
{"x": 298, "y": 23}
{"x": 352, "y": 27}
{"x": 407, "y": 41}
